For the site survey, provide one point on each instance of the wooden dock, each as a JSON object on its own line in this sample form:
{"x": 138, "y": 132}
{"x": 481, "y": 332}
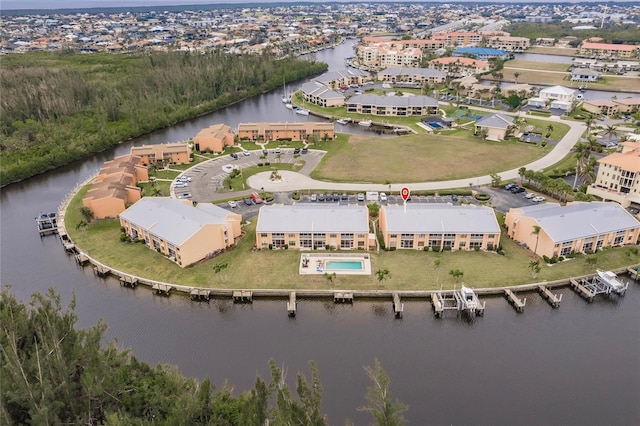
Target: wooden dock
{"x": 398, "y": 307}
{"x": 69, "y": 247}
{"x": 582, "y": 290}
{"x": 242, "y": 296}
{"x": 549, "y": 296}
{"x": 518, "y": 304}
{"x": 634, "y": 273}
{"x": 438, "y": 309}
{"x": 292, "y": 305}
{"x": 201, "y": 294}
{"x": 162, "y": 289}
{"x": 128, "y": 281}
{"x": 81, "y": 259}
{"x": 343, "y": 297}
{"x": 101, "y": 271}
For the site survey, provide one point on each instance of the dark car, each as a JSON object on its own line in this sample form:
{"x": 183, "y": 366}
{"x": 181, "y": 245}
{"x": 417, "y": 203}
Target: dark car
{"x": 304, "y": 151}
{"x": 296, "y": 150}
{"x": 234, "y": 155}
{"x": 320, "y": 197}
{"x": 248, "y": 202}
{"x": 336, "y": 197}
{"x": 265, "y": 152}
{"x": 517, "y": 190}
{"x": 344, "y": 196}
{"x": 510, "y": 186}
{"x": 454, "y": 197}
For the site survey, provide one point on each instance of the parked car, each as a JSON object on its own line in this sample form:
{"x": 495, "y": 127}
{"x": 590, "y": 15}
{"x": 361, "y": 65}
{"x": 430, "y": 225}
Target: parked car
{"x": 314, "y": 197}
{"x": 181, "y": 185}
{"x": 232, "y": 204}
{"x": 360, "y": 196}
{"x": 383, "y": 197}
{"x": 517, "y": 190}
{"x": 304, "y": 150}
{"x": 344, "y": 196}
{"x": 336, "y": 197}
{"x": 255, "y": 197}
{"x": 509, "y": 186}
{"x": 234, "y": 155}
{"x": 537, "y": 199}
{"x": 529, "y": 195}
{"x": 320, "y": 197}
{"x": 248, "y": 202}
{"x": 246, "y": 153}
{"x": 296, "y": 150}
{"x": 185, "y": 195}
{"x": 454, "y": 197}
{"x": 278, "y": 151}
{"x": 265, "y": 152}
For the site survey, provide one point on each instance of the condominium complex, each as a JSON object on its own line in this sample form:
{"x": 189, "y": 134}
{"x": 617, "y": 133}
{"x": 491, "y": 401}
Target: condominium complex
{"x": 459, "y": 66}
{"x": 618, "y": 177}
{"x": 169, "y": 153}
{"x": 185, "y": 233}
{"x": 439, "y": 226}
{"x": 392, "y": 105}
{"x": 553, "y": 230}
{"x": 214, "y": 138}
{"x": 608, "y": 50}
{"x": 313, "y": 226}
{"x": 293, "y": 131}
{"x": 510, "y": 44}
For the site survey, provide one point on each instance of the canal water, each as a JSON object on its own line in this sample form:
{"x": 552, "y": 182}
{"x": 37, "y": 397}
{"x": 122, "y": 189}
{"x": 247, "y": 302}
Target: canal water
{"x": 574, "y": 365}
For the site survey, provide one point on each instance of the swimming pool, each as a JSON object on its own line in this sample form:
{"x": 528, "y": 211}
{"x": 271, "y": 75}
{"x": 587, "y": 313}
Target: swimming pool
{"x": 435, "y": 125}
{"x": 343, "y": 265}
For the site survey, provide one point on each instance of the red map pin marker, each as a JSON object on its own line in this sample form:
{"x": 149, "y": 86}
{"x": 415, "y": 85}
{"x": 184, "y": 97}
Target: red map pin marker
{"x": 404, "y": 193}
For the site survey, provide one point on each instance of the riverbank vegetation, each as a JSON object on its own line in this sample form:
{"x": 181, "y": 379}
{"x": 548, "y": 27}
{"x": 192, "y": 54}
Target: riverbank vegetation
{"x": 57, "y": 107}
{"x": 408, "y": 269}
{"x": 54, "y": 373}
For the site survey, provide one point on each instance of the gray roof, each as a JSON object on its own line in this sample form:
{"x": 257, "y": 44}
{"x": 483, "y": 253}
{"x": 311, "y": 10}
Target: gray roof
{"x": 580, "y": 220}
{"x": 440, "y": 218}
{"x": 315, "y": 88}
{"x": 341, "y": 74}
{"x": 173, "y": 220}
{"x": 313, "y": 218}
{"x": 425, "y": 72}
{"x": 393, "y": 101}
{"x": 497, "y": 121}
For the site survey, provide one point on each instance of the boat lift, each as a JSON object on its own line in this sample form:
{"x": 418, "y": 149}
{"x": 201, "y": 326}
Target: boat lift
{"x": 463, "y": 301}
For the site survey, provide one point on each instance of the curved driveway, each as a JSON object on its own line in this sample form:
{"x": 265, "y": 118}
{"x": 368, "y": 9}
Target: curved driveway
{"x": 296, "y": 181}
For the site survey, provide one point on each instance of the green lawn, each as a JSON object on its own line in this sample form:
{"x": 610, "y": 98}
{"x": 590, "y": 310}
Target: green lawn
{"x": 239, "y": 183}
{"x": 420, "y": 158}
{"x": 409, "y": 270}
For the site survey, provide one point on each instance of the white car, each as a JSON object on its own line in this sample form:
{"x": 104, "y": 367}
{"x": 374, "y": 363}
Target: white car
{"x": 232, "y": 204}
{"x": 185, "y": 195}
{"x": 537, "y": 199}
{"x": 228, "y": 168}
{"x": 361, "y": 197}
{"x": 246, "y": 153}
{"x": 181, "y": 185}
{"x": 529, "y": 195}
{"x": 383, "y": 197}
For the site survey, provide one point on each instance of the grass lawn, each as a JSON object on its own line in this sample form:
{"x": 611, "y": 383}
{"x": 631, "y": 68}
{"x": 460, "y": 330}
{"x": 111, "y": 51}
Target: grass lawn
{"x": 558, "y": 132}
{"x": 420, "y": 158}
{"x": 409, "y": 269}
{"x": 240, "y": 182}
{"x": 609, "y": 83}
{"x": 559, "y": 51}
{"x": 540, "y": 66}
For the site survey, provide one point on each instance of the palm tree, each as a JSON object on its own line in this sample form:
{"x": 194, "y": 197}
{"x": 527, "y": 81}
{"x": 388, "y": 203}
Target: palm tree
{"x": 522, "y": 171}
{"x": 582, "y": 155}
{"x": 516, "y": 75}
{"x": 381, "y": 274}
{"x": 589, "y": 121}
{"x": 549, "y": 130}
{"x": 536, "y": 232}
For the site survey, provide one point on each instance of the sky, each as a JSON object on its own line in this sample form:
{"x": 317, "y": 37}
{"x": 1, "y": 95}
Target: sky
{"x": 67, "y": 4}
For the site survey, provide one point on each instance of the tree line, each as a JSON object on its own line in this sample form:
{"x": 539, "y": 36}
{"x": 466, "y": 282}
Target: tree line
{"x": 53, "y": 373}
{"x": 57, "y": 107}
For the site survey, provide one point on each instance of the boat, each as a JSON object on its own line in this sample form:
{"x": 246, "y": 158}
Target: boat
{"x": 579, "y": 96}
{"x": 469, "y": 297}
{"x": 289, "y": 105}
{"x": 365, "y": 123}
{"x": 285, "y": 99}
{"x": 612, "y": 280}
{"x": 301, "y": 111}
{"x": 582, "y": 88}
{"x": 342, "y": 121}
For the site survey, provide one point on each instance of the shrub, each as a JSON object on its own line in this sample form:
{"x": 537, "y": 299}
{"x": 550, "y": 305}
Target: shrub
{"x": 426, "y": 248}
{"x": 480, "y": 196}
{"x": 476, "y": 248}
{"x": 123, "y": 237}
{"x": 446, "y": 248}
{"x": 270, "y": 246}
{"x": 259, "y": 164}
{"x": 546, "y": 258}
{"x": 286, "y": 246}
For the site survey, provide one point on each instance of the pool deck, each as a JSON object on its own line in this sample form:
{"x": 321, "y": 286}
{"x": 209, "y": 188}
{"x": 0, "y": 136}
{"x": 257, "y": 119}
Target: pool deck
{"x": 314, "y": 263}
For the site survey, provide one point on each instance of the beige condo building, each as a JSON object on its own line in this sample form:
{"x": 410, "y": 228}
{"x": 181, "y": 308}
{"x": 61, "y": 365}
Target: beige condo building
{"x": 618, "y": 177}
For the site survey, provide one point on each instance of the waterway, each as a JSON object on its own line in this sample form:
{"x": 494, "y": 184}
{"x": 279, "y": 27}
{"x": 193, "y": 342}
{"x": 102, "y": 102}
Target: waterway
{"x": 574, "y": 365}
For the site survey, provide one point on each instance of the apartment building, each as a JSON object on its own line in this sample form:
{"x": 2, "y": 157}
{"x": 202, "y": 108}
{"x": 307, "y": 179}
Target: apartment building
{"x": 313, "y": 226}
{"x": 600, "y": 106}
{"x": 495, "y": 126}
{"x": 168, "y": 153}
{"x": 115, "y": 186}
{"x": 618, "y": 177}
{"x": 185, "y": 233}
{"x": 608, "y": 50}
{"x": 459, "y": 66}
{"x": 411, "y": 75}
{"x": 392, "y": 105}
{"x": 439, "y": 226}
{"x": 317, "y": 93}
{"x": 553, "y": 230}
{"x": 628, "y": 104}
{"x": 294, "y": 131}
{"x": 508, "y": 43}
{"x": 214, "y": 138}
{"x": 335, "y": 80}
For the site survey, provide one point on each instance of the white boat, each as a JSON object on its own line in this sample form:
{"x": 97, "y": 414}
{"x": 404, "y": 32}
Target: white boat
{"x": 342, "y": 121}
{"x": 611, "y": 279}
{"x": 289, "y": 105}
{"x": 285, "y": 98}
{"x": 579, "y": 96}
{"x": 469, "y": 297}
{"x": 365, "y": 123}
{"x": 301, "y": 111}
